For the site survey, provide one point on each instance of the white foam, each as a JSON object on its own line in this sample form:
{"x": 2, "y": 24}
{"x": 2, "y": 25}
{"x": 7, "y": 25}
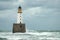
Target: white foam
{"x": 28, "y": 35}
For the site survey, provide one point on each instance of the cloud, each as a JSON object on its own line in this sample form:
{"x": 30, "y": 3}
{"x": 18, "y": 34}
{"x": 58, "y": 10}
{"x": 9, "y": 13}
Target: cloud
{"x": 21, "y": 1}
{"x": 29, "y": 4}
{"x": 7, "y": 18}
{"x": 37, "y": 14}
{"x": 8, "y": 0}
{"x": 46, "y": 19}
{"x": 42, "y": 3}
{"x": 38, "y": 11}
{"x": 41, "y": 17}
{"x": 6, "y": 5}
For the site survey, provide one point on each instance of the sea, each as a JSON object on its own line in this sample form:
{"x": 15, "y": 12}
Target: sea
{"x": 30, "y": 35}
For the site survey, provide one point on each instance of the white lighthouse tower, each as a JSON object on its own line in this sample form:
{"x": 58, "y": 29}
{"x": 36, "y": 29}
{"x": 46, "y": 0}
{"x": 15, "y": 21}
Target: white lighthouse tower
{"x": 19, "y": 26}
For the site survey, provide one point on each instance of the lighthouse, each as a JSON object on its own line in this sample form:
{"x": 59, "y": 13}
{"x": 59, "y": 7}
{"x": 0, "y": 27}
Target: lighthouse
{"x": 19, "y": 26}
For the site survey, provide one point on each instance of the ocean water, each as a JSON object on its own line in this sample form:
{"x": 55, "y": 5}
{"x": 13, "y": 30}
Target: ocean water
{"x": 32, "y": 35}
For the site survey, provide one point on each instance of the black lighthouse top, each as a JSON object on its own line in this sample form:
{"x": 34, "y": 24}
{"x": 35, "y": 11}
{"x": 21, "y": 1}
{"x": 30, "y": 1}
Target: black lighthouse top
{"x": 19, "y": 7}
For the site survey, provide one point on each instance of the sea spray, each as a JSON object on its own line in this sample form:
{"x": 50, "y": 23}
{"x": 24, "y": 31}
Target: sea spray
{"x": 31, "y": 36}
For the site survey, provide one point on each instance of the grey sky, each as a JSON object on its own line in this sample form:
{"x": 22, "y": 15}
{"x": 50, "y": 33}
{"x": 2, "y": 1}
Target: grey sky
{"x": 37, "y": 14}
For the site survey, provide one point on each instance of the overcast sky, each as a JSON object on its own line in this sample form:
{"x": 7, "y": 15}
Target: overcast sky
{"x": 37, "y": 14}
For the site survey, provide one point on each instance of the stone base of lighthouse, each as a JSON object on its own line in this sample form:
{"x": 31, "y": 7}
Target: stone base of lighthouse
{"x": 19, "y": 28}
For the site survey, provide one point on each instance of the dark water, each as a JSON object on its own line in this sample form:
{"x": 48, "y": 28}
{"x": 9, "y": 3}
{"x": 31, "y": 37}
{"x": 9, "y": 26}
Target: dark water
{"x": 30, "y": 36}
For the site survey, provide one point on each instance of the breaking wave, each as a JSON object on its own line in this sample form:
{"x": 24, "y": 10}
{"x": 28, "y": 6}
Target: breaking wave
{"x": 30, "y": 35}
